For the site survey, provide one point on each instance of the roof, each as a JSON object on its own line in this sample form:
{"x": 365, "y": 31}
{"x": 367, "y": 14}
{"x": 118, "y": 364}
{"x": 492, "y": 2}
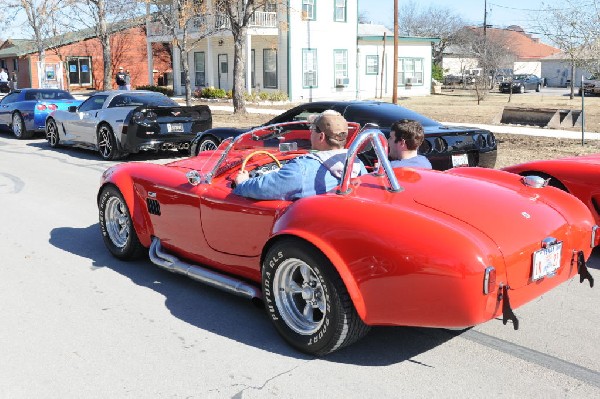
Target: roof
{"x": 374, "y": 32}
{"x": 522, "y": 44}
{"x": 21, "y": 47}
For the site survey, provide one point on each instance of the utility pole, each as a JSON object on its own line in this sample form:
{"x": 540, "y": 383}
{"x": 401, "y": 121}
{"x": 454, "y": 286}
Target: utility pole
{"x": 395, "y": 88}
{"x": 484, "y": 17}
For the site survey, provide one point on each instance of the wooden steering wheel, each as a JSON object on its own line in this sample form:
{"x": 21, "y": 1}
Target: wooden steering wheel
{"x": 243, "y": 167}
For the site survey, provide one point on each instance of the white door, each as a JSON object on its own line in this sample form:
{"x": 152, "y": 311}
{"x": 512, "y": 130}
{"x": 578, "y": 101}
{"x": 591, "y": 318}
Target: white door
{"x": 223, "y": 76}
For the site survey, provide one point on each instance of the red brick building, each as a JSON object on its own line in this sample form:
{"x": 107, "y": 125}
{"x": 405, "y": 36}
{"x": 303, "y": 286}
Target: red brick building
{"x": 75, "y": 61}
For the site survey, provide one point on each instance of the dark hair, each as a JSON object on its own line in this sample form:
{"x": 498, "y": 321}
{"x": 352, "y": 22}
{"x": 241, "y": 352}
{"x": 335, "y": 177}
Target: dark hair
{"x": 410, "y": 131}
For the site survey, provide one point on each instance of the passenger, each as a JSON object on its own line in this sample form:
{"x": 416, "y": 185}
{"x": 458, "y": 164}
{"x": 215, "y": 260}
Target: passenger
{"x": 406, "y": 136}
{"x": 314, "y": 173}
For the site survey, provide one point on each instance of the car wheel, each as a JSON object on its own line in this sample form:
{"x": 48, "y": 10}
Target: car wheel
{"x": 117, "y": 227}
{"x": 52, "y": 133}
{"x": 107, "y": 143}
{"x": 208, "y": 143}
{"x": 18, "y": 127}
{"x": 521, "y": 89}
{"x": 538, "y": 87}
{"x": 307, "y": 300}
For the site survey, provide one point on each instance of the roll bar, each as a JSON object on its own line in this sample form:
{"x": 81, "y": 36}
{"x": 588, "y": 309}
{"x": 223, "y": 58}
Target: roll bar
{"x": 379, "y": 144}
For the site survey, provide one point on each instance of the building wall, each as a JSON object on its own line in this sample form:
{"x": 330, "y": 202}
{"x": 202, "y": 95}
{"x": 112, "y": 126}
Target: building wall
{"x": 128, "y": 50}
{"x": 528, "y": 67}
{"x": 324, "y": 35}
{"x": 558, "y": 73}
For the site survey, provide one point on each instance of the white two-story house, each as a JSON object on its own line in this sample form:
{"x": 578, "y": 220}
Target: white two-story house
{"x": 309, "y": 50}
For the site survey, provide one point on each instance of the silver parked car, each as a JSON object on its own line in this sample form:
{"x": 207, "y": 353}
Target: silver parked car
{"x": 117, "y": 123}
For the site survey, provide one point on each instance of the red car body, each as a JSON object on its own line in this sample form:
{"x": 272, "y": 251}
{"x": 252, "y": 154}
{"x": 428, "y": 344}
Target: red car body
{"x": 579, "y": 176}
{"x": 445, "y": 249}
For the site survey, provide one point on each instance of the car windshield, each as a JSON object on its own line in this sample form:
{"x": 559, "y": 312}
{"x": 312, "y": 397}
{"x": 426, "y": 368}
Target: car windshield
{"x": 42, "y": 95}
{"x": 145, "y": 99}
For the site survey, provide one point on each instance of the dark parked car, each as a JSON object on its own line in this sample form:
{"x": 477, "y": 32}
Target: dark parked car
{"x": 445, "y": 146}
{"x": 117, "y": 123}
{"x": 24, "y": 111}
{"x": 522, "y": 83}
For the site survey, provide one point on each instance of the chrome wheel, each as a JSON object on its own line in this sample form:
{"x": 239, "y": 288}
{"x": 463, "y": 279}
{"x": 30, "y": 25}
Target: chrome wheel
{"x": 299, "y": 296}
{"x": 106, "y": 143}
{"x": 18, "y": 126}
{"x": 207, "y": 145}
{"x": 117, "y": 222}
{"x": 52, "y": 133}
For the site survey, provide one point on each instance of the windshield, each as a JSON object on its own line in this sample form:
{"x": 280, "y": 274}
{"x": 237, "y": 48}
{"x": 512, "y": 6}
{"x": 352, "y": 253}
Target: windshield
{"x": 41, "y": 95}
{"x": 285, "y": 140}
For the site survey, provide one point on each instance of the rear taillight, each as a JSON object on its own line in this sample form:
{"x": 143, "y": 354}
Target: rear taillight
{"x": 489, "y": 280}
{"x": 41, "y": 107}
{"x": 52, "y": 107}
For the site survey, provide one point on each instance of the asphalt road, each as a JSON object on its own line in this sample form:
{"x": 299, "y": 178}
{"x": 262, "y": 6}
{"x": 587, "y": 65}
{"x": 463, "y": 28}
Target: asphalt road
{"x": 77, "y": 323}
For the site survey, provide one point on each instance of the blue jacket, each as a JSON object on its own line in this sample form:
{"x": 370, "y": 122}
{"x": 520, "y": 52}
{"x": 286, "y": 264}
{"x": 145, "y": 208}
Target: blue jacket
{"x": 306, "y": 175}
{"x": 415, "y": 162}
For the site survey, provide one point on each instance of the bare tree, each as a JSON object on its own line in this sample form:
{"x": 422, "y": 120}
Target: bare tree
{"x": 187, "y": 23}
{"x": 240, "y": 13}
{"x": 492, "y": 51}
{"x": 573, "y": 28}
{"x": 104, "y": 17}
{"x": 433, "y": 21}
{"x": 40, "y": 20}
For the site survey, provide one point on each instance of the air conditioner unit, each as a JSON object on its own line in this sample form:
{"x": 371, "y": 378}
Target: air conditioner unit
{"x": 342, "y": 82}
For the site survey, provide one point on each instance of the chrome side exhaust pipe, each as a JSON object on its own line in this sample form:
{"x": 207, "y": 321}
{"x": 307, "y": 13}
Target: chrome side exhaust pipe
{"x": 217, "y": 280}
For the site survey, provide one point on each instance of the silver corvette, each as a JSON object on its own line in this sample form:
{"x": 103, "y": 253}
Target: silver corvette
{"x": 118, "y": 123}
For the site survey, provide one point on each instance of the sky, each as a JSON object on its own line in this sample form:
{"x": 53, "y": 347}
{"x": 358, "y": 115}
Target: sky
{"x": 500, "y": 13}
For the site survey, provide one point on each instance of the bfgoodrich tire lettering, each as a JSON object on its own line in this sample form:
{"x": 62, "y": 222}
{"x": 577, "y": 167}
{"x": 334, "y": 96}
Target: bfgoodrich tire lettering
{"x": 306, "y": 299}
{"x": 117, "y": 227}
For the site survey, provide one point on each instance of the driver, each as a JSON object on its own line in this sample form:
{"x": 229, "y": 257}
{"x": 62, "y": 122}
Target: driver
{"x": 314, "y": 173}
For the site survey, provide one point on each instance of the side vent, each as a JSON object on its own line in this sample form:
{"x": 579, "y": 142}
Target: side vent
{"x": 153, "y": 206}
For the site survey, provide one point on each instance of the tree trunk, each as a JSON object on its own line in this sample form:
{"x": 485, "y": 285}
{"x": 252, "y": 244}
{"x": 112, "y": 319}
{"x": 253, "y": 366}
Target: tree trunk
{"x": 572, "y": 93}
{"x": 186, "y": 74}
{"x": 239, "y": 104}
{"x": 105, "y": 43}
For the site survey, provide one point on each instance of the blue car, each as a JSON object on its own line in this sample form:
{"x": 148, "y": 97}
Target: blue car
{"x": 24, "y": 111}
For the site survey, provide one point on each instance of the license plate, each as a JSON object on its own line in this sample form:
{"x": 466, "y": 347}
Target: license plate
{"x": 546, "y": 261}
{"x": 460, "y": 160}
{"x": 174, "y": 127}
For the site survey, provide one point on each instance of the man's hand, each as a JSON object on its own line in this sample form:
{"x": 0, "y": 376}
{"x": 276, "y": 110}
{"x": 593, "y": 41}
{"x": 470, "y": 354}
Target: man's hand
{"x": 241, "y": 177}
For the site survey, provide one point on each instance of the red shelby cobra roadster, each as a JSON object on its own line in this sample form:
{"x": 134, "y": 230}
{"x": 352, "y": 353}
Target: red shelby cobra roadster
{"x": 394, "y": 247}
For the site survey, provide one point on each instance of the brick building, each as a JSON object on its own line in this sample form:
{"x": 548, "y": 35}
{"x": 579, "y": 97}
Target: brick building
{"x": 74, "y": 60}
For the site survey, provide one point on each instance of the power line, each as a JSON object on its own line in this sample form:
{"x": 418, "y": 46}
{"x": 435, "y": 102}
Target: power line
{"x": 544, "y": 9}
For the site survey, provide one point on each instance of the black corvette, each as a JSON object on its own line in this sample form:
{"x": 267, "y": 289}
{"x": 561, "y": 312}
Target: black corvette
{"x": 445, "y": 146}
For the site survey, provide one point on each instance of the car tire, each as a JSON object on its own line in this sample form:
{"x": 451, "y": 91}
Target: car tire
{"x": 307, "y": 300}
{"x": 107, "y": 143}
{"x": 208, "y": 143}
{"x": 18, "y": 127}
{"x": 52, "y": 133}
{"x": 117, "y": 227}
{"x": 538, "y": 88}
{"x": 521, "y": 89}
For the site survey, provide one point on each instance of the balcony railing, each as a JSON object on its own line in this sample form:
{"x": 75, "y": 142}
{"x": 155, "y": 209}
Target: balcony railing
{"x": 215, "y": 23}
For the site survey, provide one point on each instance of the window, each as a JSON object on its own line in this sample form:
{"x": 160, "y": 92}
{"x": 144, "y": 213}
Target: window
{"x": 270, "y": 68}
{"x": 340, "y": 11}
{"x": 200, "y": 69}
{"x": 309, "y": 68}
{"x": 271, "y": 6}
{"x": 340, "y": 62}
{"x": 410, "y": 71}
{"x": 15, "y": 64}
{"x": 80, "y": 71}
{"x": 372, "y": 66}
{"x": 92, "y": 103}
{"x": 308, "y": 10}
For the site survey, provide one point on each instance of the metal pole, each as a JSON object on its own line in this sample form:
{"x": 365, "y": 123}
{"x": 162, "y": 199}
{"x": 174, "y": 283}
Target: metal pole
{"x": 395, "y": 80}
{"x": 582, "y": 111}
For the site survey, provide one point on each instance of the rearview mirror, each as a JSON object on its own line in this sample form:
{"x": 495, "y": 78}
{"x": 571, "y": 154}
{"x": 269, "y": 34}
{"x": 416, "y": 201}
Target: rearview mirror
{"x": 72, "y": 108}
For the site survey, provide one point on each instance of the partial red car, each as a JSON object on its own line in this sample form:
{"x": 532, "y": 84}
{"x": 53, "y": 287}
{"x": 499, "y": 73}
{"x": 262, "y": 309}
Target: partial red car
{"x": 406, "y": 247}
{"x": 579, "y": 176}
